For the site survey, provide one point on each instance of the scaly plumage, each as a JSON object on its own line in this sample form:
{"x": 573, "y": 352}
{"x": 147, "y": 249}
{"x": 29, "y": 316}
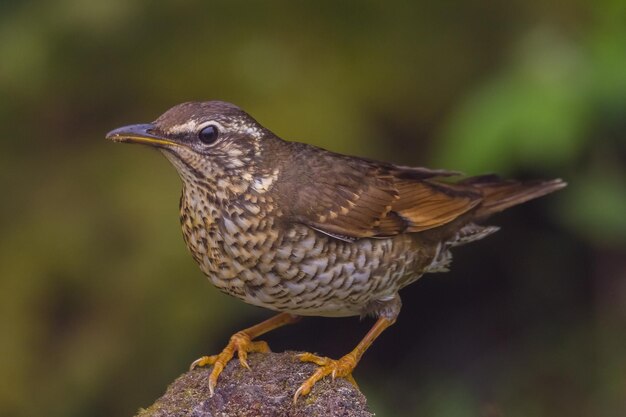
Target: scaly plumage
{"x": 304, "y": 231}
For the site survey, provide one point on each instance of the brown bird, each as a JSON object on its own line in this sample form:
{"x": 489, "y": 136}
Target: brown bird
{"x": 308, "y": 232}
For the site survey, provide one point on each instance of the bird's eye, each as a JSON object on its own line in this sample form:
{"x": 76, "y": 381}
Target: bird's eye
{"x": 208, "y": 135}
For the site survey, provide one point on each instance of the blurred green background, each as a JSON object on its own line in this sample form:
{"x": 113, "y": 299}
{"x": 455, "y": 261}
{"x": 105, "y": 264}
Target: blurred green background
{"x": 100, "y": 304}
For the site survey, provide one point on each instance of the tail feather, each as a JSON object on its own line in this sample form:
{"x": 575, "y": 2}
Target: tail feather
{"x": 500, "y": 194}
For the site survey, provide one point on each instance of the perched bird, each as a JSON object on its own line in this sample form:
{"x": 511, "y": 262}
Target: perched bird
{"x": 308, "y": 232}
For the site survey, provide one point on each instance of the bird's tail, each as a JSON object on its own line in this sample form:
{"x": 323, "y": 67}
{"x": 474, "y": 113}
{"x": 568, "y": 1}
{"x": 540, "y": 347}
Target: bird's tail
{"x": 501, "y": 194}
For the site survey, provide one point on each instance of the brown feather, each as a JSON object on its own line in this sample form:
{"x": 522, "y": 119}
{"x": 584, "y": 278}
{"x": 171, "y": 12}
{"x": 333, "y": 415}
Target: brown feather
{"x": 502, "y": 194}
{"x": 359, "y": 198}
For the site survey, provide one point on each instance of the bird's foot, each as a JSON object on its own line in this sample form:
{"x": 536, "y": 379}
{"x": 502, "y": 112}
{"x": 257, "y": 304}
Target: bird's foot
{"x": 341, "y": 368}
{"x": 239, "y": 342}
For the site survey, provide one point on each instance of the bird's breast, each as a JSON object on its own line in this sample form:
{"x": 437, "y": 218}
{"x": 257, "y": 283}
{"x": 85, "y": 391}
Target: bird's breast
{"x": 250, "y": 253}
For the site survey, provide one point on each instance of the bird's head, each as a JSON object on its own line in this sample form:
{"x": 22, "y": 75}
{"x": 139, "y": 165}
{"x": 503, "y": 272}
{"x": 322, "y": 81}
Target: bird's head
{"x": 207, "y": 142}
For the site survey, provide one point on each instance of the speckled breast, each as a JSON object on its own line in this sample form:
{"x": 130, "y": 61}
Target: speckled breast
{"x": 246, "y": 253}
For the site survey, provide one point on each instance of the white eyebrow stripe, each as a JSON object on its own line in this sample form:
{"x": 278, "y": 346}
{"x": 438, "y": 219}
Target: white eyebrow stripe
{"x": 189, "y": 126}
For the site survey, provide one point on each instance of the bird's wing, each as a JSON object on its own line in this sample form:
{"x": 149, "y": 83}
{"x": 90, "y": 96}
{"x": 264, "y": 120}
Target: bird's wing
{"x": 366, "y": 199}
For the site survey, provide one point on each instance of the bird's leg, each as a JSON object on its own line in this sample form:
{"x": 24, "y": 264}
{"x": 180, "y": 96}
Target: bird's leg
{"x": 243, "y": 344}
{"x": 344, "y": 366}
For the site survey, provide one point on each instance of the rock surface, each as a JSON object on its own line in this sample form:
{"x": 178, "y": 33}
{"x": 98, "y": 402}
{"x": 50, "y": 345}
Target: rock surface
{"x": 265, "y": 390}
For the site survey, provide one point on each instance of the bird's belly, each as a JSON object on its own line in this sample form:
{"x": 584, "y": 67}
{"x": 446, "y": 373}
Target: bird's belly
{"x": 307, "y": 273}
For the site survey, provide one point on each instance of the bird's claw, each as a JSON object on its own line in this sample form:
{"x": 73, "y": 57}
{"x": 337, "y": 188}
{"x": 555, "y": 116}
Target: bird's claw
{"x": 239, "y": 342}
{"x": 341, "y": 368}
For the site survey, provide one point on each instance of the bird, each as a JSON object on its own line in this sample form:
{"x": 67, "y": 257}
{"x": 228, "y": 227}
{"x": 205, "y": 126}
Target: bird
{"x": 304, "y": 231}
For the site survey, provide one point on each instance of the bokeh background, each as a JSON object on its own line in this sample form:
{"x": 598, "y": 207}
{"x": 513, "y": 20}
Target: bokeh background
{"x": 100, "y": 304}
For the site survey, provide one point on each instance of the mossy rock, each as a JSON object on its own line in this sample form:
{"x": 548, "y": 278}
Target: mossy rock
{"x": 266, "y": 390}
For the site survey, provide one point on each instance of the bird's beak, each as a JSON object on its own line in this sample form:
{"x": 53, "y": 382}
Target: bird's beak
{"x": 139, "y": 134}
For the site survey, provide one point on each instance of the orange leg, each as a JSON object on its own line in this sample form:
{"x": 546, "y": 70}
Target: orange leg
{"x": 243, "y": 344}
{"x": 344, "y": 366}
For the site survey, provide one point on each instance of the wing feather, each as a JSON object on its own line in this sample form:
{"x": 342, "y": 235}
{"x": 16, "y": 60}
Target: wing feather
{"x": 351, "y": 198}
{"x": 366, "y": 199}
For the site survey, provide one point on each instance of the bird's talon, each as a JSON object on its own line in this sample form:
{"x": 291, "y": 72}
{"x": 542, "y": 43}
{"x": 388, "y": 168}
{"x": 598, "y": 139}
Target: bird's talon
{"x": 341, "y": 368}
{"x": 309, "y": 357}
{"x": 244, "y": 362}
{"x": 296, "y": 395}
{"x": 239, "y": 342}
{"x": 203, "y": 361}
